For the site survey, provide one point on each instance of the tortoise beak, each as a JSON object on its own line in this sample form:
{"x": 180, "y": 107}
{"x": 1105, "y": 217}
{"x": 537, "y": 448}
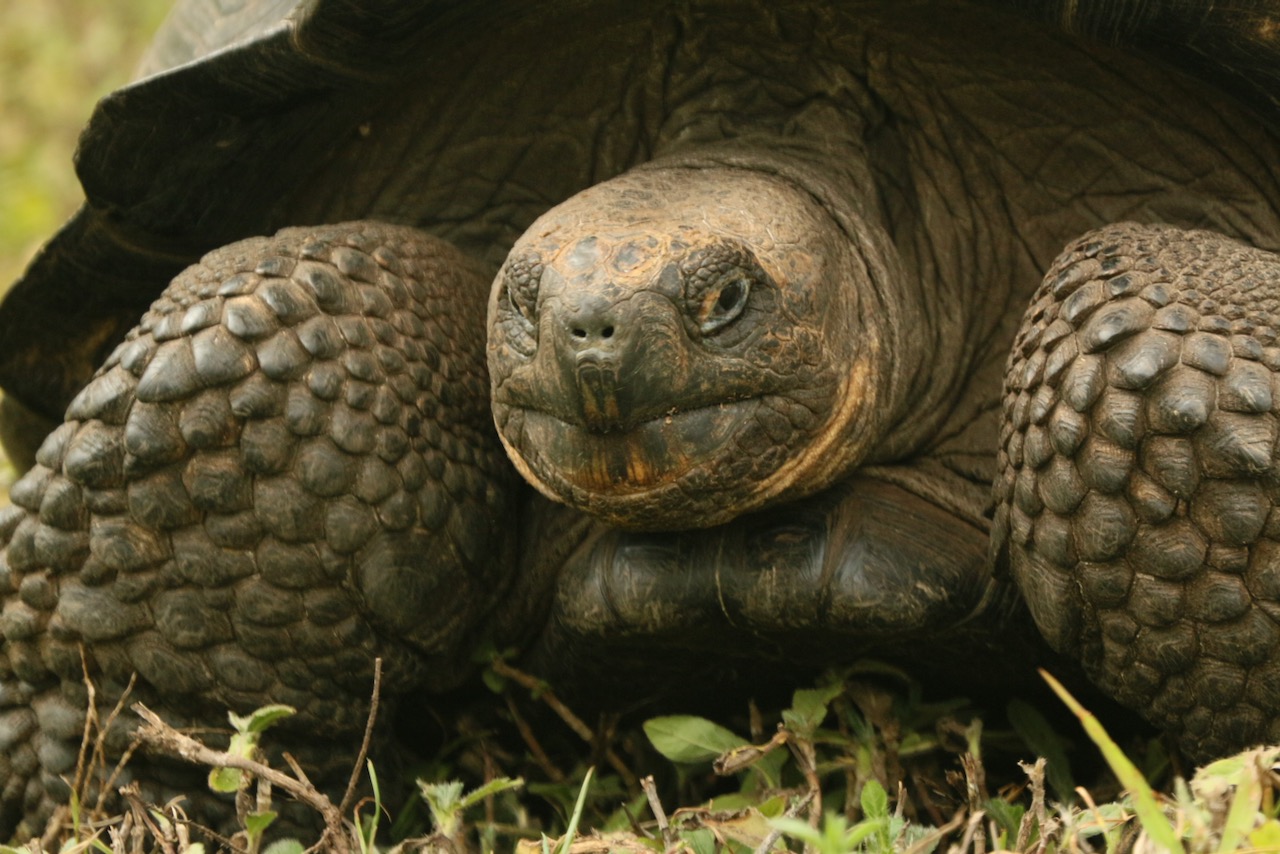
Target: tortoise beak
{"x": 598, "y": 388}
{"x": 601, "y": 360}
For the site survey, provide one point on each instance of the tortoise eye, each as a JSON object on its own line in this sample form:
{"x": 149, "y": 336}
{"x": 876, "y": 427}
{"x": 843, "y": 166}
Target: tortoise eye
{"x": 721, "y": 307}
{"x": 718, "y": 280}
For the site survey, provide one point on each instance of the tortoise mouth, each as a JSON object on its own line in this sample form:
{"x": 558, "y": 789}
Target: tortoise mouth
{"x": 567, "y": 457}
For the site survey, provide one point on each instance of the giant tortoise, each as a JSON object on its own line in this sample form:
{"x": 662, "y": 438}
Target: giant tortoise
{"x": 779, "y": 291}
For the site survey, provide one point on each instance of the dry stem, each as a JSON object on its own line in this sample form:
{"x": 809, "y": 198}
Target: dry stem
{"x": 164, "y": 738}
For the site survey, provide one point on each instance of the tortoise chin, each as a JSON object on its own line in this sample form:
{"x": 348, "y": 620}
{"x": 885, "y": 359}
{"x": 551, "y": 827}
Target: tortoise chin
{"x": 630, "y": 475}
{"x": 638, "y": 458}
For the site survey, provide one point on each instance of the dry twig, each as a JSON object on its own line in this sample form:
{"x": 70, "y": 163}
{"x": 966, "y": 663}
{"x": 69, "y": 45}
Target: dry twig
{"x": 159, "y": 735}
{"x": 358, "y": 768}
{"x": 655, "y": 805}
{"x": 575, "y": 723}
{"x": 766, "y": 845}
{"x": 536, "y": 750}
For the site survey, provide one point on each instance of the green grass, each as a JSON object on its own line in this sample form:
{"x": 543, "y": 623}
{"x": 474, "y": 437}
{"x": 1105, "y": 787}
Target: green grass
{"x": 859, "y": 763}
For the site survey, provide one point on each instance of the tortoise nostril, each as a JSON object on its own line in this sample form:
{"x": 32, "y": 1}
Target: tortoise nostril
{"x": 593, "y": 321}
{"x": 584, "y": 331}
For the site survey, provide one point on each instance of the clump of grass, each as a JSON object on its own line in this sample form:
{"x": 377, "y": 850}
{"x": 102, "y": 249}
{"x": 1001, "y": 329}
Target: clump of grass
{"x": 853, "y": 764}
{"x": 1230, "y": 805}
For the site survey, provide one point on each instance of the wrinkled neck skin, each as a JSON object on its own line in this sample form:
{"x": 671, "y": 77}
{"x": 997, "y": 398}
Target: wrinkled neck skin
{"x": 848, "y": 325}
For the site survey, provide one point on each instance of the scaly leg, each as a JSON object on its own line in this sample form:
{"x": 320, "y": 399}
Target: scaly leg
{"x": 864, "y": 569}
{"x": 287, "y": 469}
{"x": 1139, "y": 481}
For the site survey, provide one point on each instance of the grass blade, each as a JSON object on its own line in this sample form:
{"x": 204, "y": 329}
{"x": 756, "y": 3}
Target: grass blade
{"x": 1150, "y": 815}
{"x": 572, "y": 830}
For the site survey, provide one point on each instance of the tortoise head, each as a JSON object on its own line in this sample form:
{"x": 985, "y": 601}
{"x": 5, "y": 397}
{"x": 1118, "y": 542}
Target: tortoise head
{"x": 677, "y": 346}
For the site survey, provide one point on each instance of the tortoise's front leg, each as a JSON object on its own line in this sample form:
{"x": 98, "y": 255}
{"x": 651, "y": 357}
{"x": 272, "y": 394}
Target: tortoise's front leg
{"x": 286, "y": 469}
{"x": 864, "y": 569}
{"x": 1139, "y": 476}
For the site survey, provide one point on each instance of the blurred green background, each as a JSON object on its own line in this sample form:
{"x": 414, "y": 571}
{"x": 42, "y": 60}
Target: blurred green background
{"x": 57, "y": 58}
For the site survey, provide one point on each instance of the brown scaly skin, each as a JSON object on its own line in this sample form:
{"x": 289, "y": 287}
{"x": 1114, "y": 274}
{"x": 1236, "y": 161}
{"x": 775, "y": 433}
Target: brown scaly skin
{"x": 286, "y": 469}
{"x": 1140, "y": 486}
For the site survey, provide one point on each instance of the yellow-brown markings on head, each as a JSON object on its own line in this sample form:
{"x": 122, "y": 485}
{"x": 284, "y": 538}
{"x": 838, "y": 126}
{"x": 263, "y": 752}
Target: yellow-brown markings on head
{"x": 599, "y": 473}
{"x": 639, "y": 243}
{"x": 632, "y": 254}
{"x": 638, "y": 471}
{"x": 620, "y": 259}
{"x": 823, "y": 460}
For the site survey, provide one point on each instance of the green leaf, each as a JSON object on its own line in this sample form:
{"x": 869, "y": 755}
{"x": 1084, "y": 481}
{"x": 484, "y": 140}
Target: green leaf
{"x": 495, "y": 683}
{"x": 773, "y": 807}
{"x": 797, "y": 829}
{"x": 572, "y": 830}
{"x": 1008, "y": 816}
{"x": 1244, "y": 807}
{"x": 226, "y": 780}
{"x": 770, "y": 768}
{"x": 875, "y": 813}
{"x": 701, "y": 841}
{"x": 368, "y": 829}
{"x": 731, "y": 802}
{"x": 283, "y": 846}
{"x": 686, "y": 738}
{"x": 841, "y": 842}
{"x": 259, "y": 720}
{"x": 442, "y": 801}
{"x": 809, "y": 708}
{"x": 162, "y": 821}
{"x": 493, "y": 787}
{"x": 1266, "y": 837}
{"x": 745, "y": 828}
{"x": 243, "y": 744}
{"x": 875, "y": 800}
{"x": 442, "y": 795}
{"x": 258, "y": 822}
